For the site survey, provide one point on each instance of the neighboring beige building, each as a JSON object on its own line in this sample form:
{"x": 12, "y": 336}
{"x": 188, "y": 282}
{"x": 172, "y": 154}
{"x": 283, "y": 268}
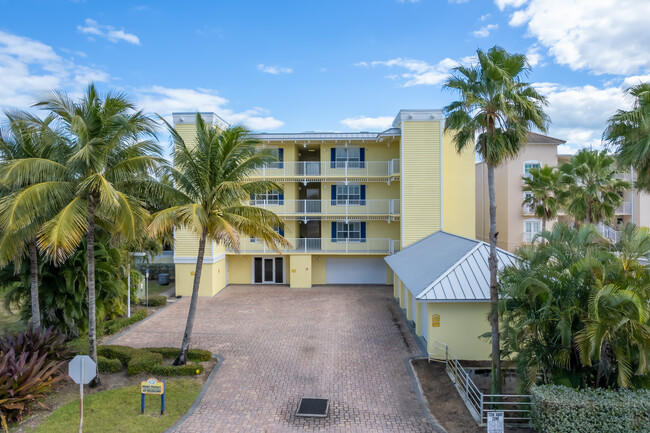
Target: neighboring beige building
{"x": 517, "y": 224}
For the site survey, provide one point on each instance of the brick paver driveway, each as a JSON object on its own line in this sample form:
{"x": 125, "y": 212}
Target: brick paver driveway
{"x": 346, "y": 343}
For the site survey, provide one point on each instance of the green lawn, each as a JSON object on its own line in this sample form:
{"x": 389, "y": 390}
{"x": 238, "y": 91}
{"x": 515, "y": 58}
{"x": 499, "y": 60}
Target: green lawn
{"x": 9, "y": 321}
{"x": 155, "y": 288}
{"x": 118, "y": 410}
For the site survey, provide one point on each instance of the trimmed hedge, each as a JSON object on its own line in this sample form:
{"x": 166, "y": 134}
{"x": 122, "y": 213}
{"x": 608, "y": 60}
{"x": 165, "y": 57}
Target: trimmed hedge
{"x": 559, "y": 409}
{"x": 113, "y": 326}
{"x": 151, "y": 360}
{"x": 155, "y": 301}
{"x": 105, "y": 365}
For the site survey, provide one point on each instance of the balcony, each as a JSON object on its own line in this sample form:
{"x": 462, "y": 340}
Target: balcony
{"x": 328, "y": 246}
{"x": 314, "y": 171}
{"x": 624, "y": 209}
{"x": 367, "y": 209}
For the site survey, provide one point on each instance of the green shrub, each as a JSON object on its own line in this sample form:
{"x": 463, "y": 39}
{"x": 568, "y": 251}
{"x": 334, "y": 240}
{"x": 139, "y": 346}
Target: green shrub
{"x": 155, "y": 301}
{"x": 113, "y": 326}
{"x": 150, "y": 360}
{"x": 44, "y": 341}
{"x": 157, "y": 268}
{"x": 105, "y": 365}
{"x": 196, "y": 355}
{"x": 559, "y": 409}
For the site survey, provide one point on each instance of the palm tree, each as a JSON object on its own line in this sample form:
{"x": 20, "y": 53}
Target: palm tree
{"x": 494, "y": 115}
{"x": 543, "y": 184}
{"x": 112, "y": 153}
{"x": 629, "y": 133}
{"x": 212, "y": 187}
{"x": 593, "y": 189}
{"x": 27, "y": 137}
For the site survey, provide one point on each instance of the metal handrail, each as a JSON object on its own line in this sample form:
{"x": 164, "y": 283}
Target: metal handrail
{"x": 329, "y": 168}
{"x": 477, "y": 402}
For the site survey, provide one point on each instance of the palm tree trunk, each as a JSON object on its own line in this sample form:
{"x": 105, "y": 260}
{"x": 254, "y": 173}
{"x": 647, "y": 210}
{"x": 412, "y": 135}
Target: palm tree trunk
{"x": 33, "y": 275}
{"x": 494, "y": 293}
{"x": 187, "y": 336}
{"x": 90, "y": 258}
{"x": 544, "y": 224}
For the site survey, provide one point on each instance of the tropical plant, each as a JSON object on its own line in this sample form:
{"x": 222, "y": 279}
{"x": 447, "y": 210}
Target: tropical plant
{"x": 213, "y": 188}
{"x": 63, "y": 287}
{"x": 628, "y": 131}
{"x": 112, "y": 156}
{"x": 577, "y": 310}
{"x": 47, "y": 341}
{"x": 592, "y": 188}
{"x": 493, "y": 116}
{"x": 543, "y": 186}
{"x": 26, "y": 137}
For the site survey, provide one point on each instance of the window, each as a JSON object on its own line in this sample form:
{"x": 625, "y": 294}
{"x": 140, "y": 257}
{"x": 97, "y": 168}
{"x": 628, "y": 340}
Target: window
{"x": 528, "y": 165}
{"x": 350, "y": 157}
{"x": 351, "y": 195}
{"x": 531, "y": 228}
{"x": 529, "y": 208}
{"x": 278, "y": 153}
{"x": 270, "y": 197}
{"x": 350, "y": 231}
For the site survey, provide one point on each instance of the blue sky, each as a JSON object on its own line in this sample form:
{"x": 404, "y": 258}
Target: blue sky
{"x": 323, "y": 65}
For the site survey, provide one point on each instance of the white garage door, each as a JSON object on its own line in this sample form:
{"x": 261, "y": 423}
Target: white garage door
{"x": 356, "y": 270}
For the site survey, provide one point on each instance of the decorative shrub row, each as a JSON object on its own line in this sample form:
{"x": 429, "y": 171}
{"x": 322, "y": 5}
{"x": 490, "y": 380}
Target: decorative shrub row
{"x": 559, "y": 409}
{"x": 113, "y": 326}
{"x": 151, "y": 360}
{"x": 155, "y": 301}
{"x": 105, "y": 365}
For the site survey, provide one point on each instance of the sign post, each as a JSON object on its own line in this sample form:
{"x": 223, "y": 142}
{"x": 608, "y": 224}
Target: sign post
{"x": 495, "y": 422}
{"x": 82, "y": 369}
{"x": 152, "y": 386}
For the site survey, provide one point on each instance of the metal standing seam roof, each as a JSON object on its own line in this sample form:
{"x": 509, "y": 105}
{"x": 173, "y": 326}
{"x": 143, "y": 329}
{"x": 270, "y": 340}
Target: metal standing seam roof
{"x": 447, "y": 268}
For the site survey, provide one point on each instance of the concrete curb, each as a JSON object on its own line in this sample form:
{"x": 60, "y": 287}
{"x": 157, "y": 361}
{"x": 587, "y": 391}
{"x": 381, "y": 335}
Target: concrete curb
{"x": 198, "y": 399}
{"x": 419, "y": 392}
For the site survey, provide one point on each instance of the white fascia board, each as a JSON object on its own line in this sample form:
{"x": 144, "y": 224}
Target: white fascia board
{"x": 206, "y": 260}
{"x": 418, "y": 116}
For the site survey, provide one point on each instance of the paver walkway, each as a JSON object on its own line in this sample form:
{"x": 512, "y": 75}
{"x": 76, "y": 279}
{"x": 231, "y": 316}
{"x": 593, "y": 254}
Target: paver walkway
{"x": 346, "y": 343}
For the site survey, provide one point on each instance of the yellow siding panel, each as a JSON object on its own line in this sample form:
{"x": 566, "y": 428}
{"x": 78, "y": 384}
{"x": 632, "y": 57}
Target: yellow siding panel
{"x": 459, "y": 189}
{"x": 461, "y": 324}
{"x": 300, "y": 271}
{"x": 239, "y": 269}
{"x": 420, "y": 178}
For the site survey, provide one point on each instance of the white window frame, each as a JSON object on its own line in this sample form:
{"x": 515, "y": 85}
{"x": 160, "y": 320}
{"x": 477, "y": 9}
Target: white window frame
{"x": 343, "y": 156}
{"x": 344, "y": 230}
{"x": 269, "y": 197}
{"x": 532, "y": 162}
{"x": 539, "y": 227}
{"x": 528, "y": 208}
{"x": 353, "y": 198}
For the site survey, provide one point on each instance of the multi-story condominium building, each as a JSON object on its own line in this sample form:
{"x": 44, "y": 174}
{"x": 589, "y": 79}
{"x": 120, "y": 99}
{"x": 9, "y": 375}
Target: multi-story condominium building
{"x": 348, "y": 200}
{"x": 517, "y": 224}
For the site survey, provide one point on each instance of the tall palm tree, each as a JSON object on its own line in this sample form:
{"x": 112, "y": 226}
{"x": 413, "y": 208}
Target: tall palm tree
{"x": 629, "y": 133}
{"x": 212, "y": 189}
{"x": 593, "y": 189}
{"x": 27, "y": 136}
{"x": 543, "y": 184}
{"x": 112, "y": 152}
{"x": 495, "y": 112}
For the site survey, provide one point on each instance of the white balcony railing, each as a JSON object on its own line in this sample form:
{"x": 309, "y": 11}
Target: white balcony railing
{"x": 329, "y": 169}
{"x": 624, "y": 209}
{"x": 608, "y": 232}
{"x": 331, "y": 207}
{"x": 320, "y": 245}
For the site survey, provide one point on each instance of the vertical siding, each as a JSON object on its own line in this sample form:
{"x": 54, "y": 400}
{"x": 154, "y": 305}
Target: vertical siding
{"x": 420, "y": 180}
{"x": 458, "y": 189}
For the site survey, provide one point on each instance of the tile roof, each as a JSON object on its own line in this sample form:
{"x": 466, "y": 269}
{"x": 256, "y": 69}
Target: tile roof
{"x": 534, "y": 138}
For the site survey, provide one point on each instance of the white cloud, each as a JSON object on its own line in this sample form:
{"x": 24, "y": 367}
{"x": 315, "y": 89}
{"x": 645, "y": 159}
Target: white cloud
{"x": 533, "y": 55}
{"x": 28, "y": 66}
{"x": 165, "y": 101}
{"x": 92, "y": 27}
{"x": 603, "y": 36}
{"x": 364, "y": 123}
{"x": 419, "y": 71}
{"x": 484, "y": 17}
{"x": 458, "y": 1}
{"x": 579, "y": 114}
{"x": 275, "y": 70}
{"x": 407, "y": 1}
{"x": 636, "y": 79}
{"x": 484, "y": 31}
{"x": 502, "y": 4}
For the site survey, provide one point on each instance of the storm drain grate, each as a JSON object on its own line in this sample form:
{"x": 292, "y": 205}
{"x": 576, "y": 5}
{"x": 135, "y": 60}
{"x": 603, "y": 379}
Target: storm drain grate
{"x": 313, "y": 407}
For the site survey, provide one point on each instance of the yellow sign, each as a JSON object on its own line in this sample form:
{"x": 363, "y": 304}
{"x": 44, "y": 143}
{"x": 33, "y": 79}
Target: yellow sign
{"x": 152, "y": 386}
{"x": 435, "y": 321}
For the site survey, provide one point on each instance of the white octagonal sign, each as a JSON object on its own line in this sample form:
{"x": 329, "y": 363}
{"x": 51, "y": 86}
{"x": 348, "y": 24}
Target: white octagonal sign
{"x": 82, "y": 369}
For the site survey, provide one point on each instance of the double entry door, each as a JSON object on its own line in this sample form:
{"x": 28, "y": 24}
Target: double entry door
{"x": 268, "y": 270}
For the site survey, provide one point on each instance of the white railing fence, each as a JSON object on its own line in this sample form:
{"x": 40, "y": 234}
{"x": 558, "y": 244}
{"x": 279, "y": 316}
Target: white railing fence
{"x": 608, "y": 232}
{"x": 329, "y": 168}
{"x": 330, "y": 207}
{"x": 624, "y": 209}
{"x": 516, "y": 407}
{"x": 322, "y": 245}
